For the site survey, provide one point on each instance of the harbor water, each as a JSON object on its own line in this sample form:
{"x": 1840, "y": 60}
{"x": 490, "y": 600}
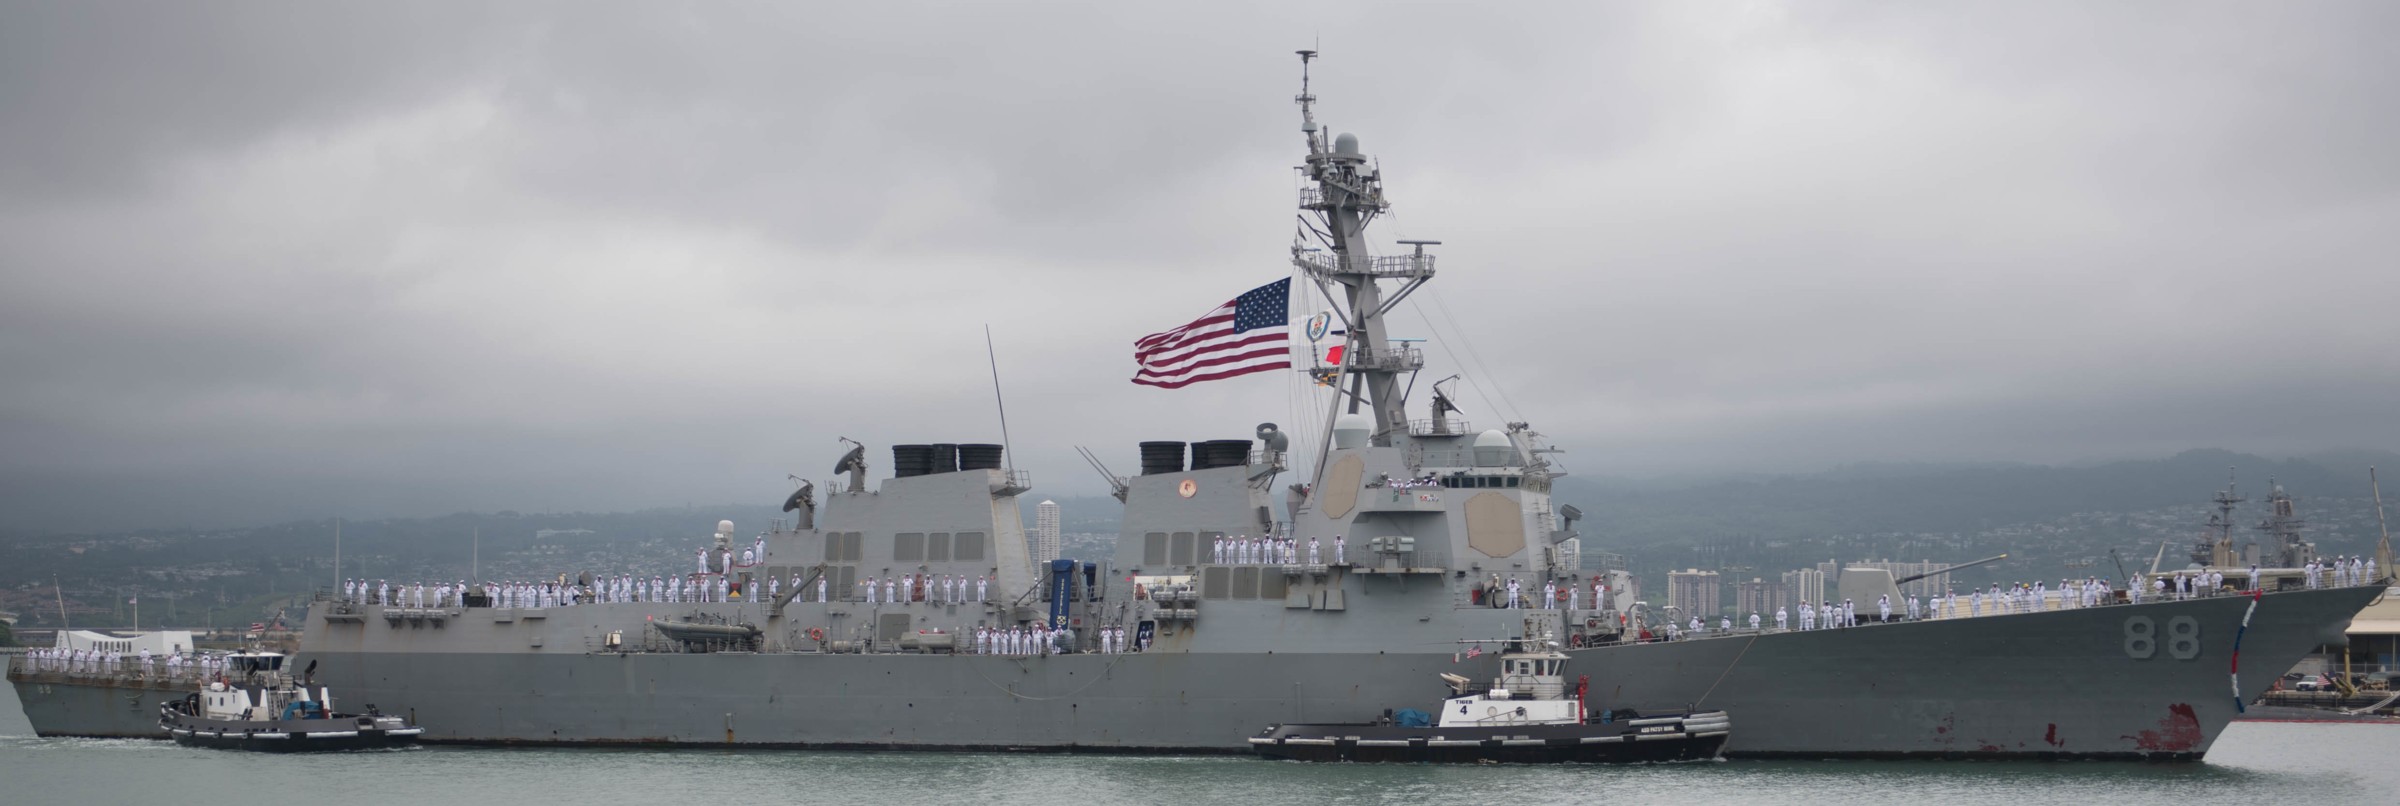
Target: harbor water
{"x": 2253, "y": 763}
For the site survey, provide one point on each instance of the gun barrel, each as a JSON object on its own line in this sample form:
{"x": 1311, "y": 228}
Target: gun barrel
{"x": 1914, "y": 577}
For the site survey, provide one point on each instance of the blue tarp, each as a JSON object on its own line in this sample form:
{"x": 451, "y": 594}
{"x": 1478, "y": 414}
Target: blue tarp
{"x": 1412, "y": 718}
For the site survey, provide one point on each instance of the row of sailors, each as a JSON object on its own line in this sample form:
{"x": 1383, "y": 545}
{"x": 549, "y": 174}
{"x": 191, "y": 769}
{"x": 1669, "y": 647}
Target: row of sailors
{"x": 1511, "y": 594}
{"x": 2186, "y": 586}
{"x": 63, "y": 659}
{"x": 2008, "y": 599}
{"x": 906, "y": 588}
{"x": 1038, "y": 640}
{"x": 1824, "y": 615}
{"x": 1832, "y": 615}
{"x": 440, "y": 594}
{"x": 2340, "y": 572}
{"x": 945, "y": 588}
{"x": 2020, "y": 597}
{"x": 755, "y": 554}
{"x": 1246, "y": 550}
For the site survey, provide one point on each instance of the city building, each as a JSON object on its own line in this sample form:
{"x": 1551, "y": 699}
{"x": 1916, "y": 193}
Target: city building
{"x": 1045, "y": 533}
{"x": 1693, "y": 592}
{"x": 1805, "y": 585}
{"x": 1762, "y": 597}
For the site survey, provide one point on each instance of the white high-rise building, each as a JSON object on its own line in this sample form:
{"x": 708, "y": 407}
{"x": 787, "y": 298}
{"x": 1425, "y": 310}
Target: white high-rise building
{"x": 1045, "y": 533}
{"x": 1805, "y": 585}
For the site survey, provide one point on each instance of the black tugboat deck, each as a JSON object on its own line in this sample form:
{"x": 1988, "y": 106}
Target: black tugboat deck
{"x": 337, "y": 732}
{"x": 1644, "y": 740}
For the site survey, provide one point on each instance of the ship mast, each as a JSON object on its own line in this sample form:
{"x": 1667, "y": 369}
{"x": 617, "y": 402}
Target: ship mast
{"x": 1344, "y": 195}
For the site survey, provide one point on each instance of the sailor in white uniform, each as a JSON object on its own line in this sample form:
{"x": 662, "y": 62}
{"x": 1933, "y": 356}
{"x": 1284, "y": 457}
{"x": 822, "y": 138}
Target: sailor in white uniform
{"x": 1217, "y": 552}
{"x": 1884, "y": 602}
{"x": 1696, "y": 628}
{"x": 1312, "y": 551}
{"x": 983, "y": 589}
{"x": 1754, "y": 621}
{"x": 1512, "y": 594}
{"x": 1337, "y": 550}
{"x": 1549, "y": 596}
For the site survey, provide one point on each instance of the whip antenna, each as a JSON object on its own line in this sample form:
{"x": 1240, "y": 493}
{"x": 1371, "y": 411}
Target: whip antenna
{"x": 999, "y": 402}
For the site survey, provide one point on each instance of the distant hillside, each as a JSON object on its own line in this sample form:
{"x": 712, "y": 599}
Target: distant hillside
{"x": 1935, "y": 498}
{"x": 2053, "y": 521}
{"x": 1880, "y": 498}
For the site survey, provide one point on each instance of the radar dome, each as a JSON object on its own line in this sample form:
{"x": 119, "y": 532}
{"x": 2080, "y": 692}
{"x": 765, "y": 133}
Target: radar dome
{"x": 1345, "y": 144}
{"x": 1492, "y": 449}
{"x": 724, "y": 527}
{"x": 1351, "y": 430}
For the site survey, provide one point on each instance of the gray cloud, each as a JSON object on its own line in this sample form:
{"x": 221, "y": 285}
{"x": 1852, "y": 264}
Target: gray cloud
{"x": 270, "y": 260}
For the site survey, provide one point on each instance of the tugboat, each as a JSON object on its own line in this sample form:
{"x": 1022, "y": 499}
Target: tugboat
{"x": 255, "y": 705}
{"x": 1525, "y": 716}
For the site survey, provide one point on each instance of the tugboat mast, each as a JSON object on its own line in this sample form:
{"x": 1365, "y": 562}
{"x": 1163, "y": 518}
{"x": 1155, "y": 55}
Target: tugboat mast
{"x": 1345, "y": 196}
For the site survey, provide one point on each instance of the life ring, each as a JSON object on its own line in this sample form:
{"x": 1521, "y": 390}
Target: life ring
{"x": 816, "y": 633}
{"x": 1575, "y": 640}
{"x": 1562, "y": 594}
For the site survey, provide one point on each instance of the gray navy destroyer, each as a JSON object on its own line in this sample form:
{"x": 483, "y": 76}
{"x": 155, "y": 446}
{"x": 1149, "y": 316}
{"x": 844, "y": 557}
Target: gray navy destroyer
{"x": 1394, "y": 536}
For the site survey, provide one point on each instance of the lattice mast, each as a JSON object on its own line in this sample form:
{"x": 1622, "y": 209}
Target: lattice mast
{"x": 1343, "y": 195}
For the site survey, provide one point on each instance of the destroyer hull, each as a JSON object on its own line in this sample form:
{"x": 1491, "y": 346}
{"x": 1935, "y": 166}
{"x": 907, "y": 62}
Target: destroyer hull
{"x": 2064, "y": 684}
{"x": 111, "y": 707}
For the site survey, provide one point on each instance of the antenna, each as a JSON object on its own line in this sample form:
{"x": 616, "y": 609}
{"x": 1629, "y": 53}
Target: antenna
{"x": 2383, "y": 550}
{"x": 1116, "y": 483}
{"x": 997, "y": 401}
{"x": 1307, "y": 102}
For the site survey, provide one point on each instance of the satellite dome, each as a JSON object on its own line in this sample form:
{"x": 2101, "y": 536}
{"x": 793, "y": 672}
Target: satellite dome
{"x": 724, "y": 527}
{"x": 1345, "y": 144}
{"x": 1351, "y": 430}
{"x": 1492, "y": 449}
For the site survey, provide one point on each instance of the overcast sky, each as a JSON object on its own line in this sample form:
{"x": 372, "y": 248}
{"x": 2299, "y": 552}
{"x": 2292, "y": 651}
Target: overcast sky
{"x": 263, "y": 261}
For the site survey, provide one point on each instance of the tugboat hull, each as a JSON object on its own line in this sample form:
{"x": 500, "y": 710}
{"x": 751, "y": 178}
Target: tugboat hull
{"x": 289, "y": 736}
{"x": 1650, "y": 740}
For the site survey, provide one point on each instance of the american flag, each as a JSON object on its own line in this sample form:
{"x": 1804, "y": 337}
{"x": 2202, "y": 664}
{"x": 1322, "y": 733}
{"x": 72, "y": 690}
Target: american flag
{"x": 1250, "y": 333}
{"x": 258, "y": 626}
